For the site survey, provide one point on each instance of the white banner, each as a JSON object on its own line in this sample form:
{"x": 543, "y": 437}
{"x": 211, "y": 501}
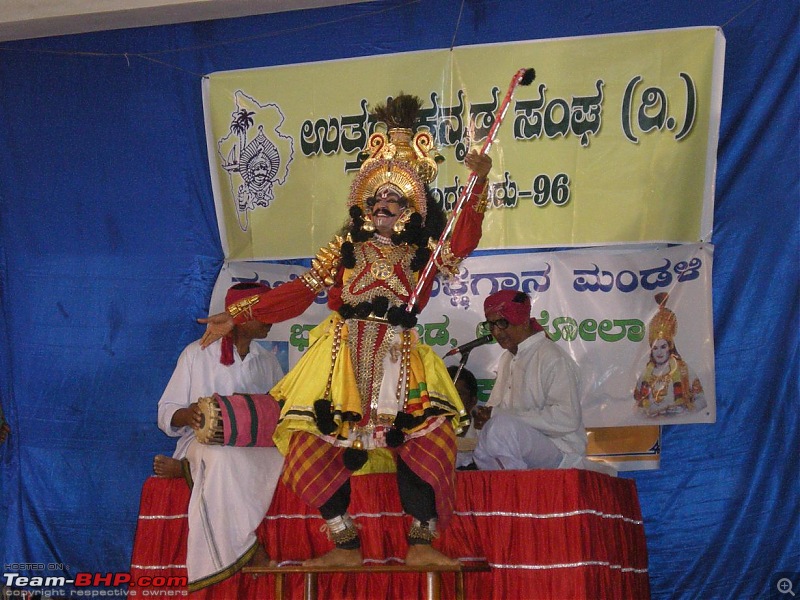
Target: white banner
{"x": 596, "y": 303}
{"x": 613, "y": 143}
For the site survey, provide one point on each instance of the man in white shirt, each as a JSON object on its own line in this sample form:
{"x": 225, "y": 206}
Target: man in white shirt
{"x": 533, "y": 417}
{"x": 232, "y": 487}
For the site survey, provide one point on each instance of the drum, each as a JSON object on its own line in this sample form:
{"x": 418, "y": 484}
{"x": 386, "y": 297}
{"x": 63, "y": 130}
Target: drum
{"x": 238, "y": 420}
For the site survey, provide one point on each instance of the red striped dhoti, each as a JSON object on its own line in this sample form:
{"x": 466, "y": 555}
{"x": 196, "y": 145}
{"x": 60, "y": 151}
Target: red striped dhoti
{"x": 315, "y": 470}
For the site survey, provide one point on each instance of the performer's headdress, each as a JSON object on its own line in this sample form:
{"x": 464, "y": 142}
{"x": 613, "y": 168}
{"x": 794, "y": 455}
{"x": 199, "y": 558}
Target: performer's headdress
{"x": 400, "y": 158}
{"x": 235, "y": 293}
{"x": 664, "y": 325}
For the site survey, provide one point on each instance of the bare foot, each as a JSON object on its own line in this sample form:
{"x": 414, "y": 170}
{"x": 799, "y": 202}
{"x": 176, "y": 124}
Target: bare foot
{"x": 423, "y": 554}
{"x": 337, "y": 557}
{"x": 261, "y": 559}
{"x": 164, "y": 466}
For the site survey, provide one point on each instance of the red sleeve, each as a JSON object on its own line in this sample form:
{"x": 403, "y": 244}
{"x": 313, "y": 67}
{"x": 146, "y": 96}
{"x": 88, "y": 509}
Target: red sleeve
{"x": 286, "y": 301}
{"x": 467, "y": 230}
{"x": 464, "y": 239}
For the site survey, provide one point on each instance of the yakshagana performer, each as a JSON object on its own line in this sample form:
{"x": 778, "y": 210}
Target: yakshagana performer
{"x": 366, "y": 387}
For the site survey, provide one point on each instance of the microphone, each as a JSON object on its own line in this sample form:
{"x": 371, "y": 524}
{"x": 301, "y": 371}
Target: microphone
{"x": 464, "y": 348}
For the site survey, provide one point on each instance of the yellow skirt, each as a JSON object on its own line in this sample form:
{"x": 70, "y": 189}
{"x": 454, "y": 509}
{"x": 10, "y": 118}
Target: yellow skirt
{"x": 429, "y": 386}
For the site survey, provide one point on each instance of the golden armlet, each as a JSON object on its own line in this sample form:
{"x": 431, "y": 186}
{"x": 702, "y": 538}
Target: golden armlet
{"x": 447, "y": 262}
{"x": 324, "y": 266}
{"x": 483, "y": 200}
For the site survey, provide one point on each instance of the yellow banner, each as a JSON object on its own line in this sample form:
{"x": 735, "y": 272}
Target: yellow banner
{"x": 613, "y": 143}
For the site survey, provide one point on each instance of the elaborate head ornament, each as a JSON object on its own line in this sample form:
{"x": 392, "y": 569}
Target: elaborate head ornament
{"x": 399, "y": 158}
{"x": 664, "y": 325}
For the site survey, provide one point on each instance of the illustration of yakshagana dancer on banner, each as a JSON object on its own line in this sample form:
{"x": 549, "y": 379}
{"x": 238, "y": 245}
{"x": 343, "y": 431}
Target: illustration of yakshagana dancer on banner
{"x": 668, "y": 386}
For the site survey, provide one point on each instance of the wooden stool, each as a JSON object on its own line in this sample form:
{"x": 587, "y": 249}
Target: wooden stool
{"x": 433, "y": 573}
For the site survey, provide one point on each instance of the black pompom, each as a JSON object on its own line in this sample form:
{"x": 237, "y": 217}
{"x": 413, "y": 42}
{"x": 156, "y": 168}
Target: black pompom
{"x": 394, "y": 315}
{"x": 395, "y": 438}
{"x": 420, "y": 259}
{"x": 346, "y": 311}
{"x": 397, "y": 315}
{"x": 527, "y": 77}
{"x": 348, "y": 255}
{"x": 380, "y": 305}
{"x": 354, "y": 459}
{"x": 363, "y": 309}
{"x": 356, "y": 212}
{"x": 324, "y": 416}
{"x": 403, "y": 420}
{"x": 409, "y": 320}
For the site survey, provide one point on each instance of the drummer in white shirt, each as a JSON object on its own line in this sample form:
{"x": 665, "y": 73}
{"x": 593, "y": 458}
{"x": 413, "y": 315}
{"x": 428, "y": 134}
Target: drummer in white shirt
{"x": 232, "y": 487}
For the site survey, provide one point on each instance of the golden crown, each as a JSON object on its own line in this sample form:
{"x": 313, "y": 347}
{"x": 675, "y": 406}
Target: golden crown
{"x": 399, "y": 158}
{"x": 664, "y": 325}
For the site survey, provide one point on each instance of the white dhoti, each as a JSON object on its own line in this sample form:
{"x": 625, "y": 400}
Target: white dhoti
{"x": 232, "y": 491}
{"x": 506, "y": 442}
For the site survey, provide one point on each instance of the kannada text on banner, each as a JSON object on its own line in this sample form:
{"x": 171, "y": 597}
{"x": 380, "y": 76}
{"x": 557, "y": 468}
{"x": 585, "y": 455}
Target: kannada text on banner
{"x": 600, "y": 306}
{"x": 613, "y": 143}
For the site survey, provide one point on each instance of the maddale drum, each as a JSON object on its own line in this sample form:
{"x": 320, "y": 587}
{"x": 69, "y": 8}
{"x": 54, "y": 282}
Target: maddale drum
{"x": 238, "y": 420}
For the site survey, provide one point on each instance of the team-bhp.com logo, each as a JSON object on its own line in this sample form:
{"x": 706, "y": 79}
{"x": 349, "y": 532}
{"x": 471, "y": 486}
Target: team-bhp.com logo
{"x": 95, "y": 585}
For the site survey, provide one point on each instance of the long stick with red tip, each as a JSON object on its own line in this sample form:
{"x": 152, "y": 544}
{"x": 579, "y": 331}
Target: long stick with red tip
{"x": 521, "y": 77}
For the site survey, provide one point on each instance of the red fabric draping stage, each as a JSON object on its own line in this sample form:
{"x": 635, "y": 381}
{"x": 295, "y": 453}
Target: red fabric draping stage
{"x": 563, "y": 534}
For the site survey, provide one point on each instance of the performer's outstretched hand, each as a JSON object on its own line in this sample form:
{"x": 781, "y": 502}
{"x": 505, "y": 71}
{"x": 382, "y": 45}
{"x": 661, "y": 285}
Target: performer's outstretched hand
{"x": 217, "y": 326}
{"x": 478, "y": 163}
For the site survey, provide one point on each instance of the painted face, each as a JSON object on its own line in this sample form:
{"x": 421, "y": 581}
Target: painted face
{"x": 385, "y": 208}
{"x": 660, "y": 351}
{"x": 510, "y": 337}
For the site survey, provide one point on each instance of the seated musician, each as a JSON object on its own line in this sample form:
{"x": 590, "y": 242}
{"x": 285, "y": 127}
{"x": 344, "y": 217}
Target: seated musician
{"x": 532, "y": 419}
{"x": 467, "y": 387}
{"x": 232, "y": 487}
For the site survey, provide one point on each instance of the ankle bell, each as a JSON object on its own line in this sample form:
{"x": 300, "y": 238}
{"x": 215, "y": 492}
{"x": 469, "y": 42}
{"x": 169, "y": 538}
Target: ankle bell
{"x": 343, "y": 532}
{"x": 422, "y": 532}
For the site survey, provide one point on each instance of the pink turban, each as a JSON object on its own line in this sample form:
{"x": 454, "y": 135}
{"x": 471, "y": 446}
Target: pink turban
{"x": 237, "y": 292}
{"x": 512, "y": 305}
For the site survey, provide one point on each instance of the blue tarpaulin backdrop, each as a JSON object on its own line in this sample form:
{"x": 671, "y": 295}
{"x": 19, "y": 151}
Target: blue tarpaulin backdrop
{"x": 110, "y": 249}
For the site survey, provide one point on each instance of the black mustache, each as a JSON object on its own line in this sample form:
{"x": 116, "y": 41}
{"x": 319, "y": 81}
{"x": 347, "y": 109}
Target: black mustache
{"x": 382, "y": 212}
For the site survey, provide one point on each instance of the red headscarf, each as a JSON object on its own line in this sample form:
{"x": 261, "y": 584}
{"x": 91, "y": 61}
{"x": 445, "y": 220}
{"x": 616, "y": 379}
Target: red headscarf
{"x": 513, "y": 306}
{"x": 235, "y": 293}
